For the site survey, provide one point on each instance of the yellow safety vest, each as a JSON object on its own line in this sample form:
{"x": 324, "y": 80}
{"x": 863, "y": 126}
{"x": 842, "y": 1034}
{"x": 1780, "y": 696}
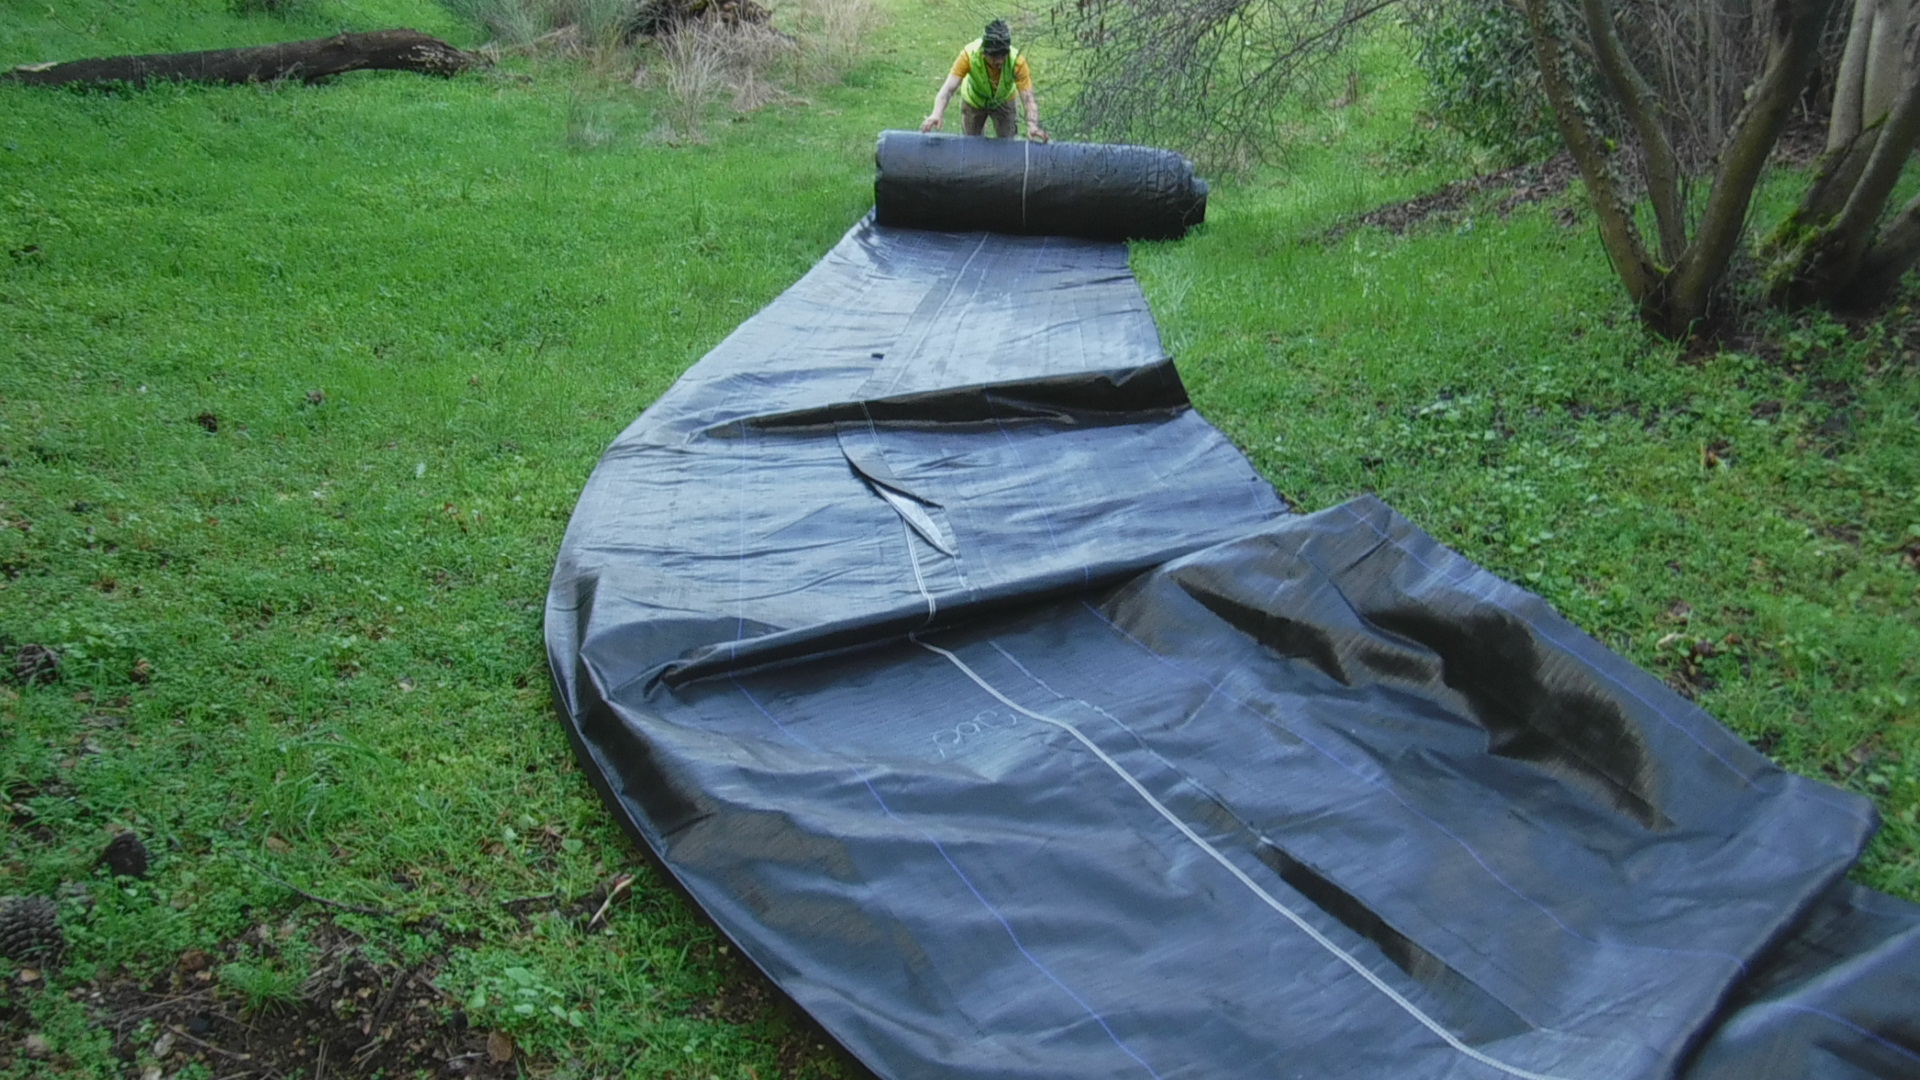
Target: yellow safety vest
{"x": 979, "y": 89}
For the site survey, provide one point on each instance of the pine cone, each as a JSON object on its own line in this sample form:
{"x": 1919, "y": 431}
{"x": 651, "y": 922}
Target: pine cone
{"x": 126, "y": 856}
{"x": 29, "y": 928}
{"x": 33, "y": 664}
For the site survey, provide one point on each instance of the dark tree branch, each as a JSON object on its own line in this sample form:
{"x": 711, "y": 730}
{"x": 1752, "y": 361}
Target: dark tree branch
{"x": 1641, "y": 104}
{"x": 1796, "y": 49}
{"x": 1839, "y": 171}
{"x": 1895, "y": 253}
{"x": 307, "y": 61}
{"x": 1828, "y": 252}
{"x": 1618, "y": 234}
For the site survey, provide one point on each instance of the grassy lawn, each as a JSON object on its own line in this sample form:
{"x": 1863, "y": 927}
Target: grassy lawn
{"x": 298, "y": 386}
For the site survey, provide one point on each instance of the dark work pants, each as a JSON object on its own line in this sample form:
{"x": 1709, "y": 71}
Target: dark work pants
{"x": 974, "y": 121}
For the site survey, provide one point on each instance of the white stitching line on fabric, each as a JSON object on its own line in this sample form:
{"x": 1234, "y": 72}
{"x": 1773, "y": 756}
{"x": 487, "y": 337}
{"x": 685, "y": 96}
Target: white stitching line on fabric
{"x": 1240, "y": 875}
{"x": 901, "y": 369}
{"x": 1378, "y": 781}
{"x": 1026, "y": 170}
{"x": 1006, "y": 925}
{"x": 918, "y": 581}
{"x": 740, "y": 556}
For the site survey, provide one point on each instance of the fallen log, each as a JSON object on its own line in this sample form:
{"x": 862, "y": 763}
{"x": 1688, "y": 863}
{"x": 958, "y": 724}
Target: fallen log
{"x": 307, "y": 61}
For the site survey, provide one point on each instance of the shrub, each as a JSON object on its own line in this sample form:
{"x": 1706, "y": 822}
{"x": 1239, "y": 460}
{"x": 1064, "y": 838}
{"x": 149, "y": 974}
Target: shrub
{"x": 1482, "y": 79}
{"x": 695, "y": 63}
{"x": 834, "y": 33}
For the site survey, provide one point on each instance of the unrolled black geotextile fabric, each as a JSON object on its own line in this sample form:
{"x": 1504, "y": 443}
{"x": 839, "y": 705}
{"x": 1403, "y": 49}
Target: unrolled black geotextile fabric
{"x": 995, "y": 707}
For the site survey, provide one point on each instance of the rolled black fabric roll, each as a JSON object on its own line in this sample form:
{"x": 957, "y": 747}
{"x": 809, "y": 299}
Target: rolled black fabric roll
{"x": 1100, "y": 191}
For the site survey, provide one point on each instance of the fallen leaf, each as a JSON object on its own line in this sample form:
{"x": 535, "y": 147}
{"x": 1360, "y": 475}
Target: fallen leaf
{"x": 500, "y": 1047}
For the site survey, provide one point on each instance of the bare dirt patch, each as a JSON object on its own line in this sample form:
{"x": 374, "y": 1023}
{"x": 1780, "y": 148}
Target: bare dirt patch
{"x": 1518, "y": 186}
{"x": 356, "y": 1016}
{"x": 350, "y": 1017}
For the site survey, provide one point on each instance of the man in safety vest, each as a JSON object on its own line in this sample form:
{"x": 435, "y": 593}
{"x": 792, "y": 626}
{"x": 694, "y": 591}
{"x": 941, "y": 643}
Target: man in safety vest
{"x": 989, "y": 72}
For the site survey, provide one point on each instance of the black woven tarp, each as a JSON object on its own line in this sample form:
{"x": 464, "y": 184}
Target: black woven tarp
{"x": 984, "y": 695}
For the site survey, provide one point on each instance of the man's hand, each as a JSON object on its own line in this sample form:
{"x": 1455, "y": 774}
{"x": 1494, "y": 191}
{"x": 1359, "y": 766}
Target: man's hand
{"x": 1037, "y": 133}
{"x": 931, "y": 123}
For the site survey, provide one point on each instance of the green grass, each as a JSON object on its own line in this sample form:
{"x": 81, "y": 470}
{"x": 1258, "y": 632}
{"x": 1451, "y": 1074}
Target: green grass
{"x": 298, "y": 386}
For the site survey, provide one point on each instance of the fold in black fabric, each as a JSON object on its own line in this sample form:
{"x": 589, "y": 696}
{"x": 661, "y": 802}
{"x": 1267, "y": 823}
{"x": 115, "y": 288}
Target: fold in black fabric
{"x": 994, "y": 706}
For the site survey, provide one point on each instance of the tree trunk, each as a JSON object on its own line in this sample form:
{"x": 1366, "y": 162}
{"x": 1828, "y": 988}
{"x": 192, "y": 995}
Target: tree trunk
{"x": 1873, "y": 68}
{"x": 1845, "y": 123}
{"x": 1618, "y": 233}
{"x": 1793, "y": 51}
{"x": 1892, "y": 255}
{"x": 1677, "y": 291}
{"x": 1831, "y": 251}
{"x": 1886, "y": 59}
{"x": 308, "y": 61}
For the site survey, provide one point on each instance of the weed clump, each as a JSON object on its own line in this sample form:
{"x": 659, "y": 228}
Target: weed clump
{"x": 695, "y": 53}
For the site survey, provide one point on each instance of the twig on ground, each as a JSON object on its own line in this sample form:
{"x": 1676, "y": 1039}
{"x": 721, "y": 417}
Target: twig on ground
{"x": 379, "y": 1018}
{"x": 343, "y": 906}
{"x": 156, "y": 1006}
{"x": 183, "y": 1033}
{"x": 428, "y": 984}
{"x": 620, "y": 885}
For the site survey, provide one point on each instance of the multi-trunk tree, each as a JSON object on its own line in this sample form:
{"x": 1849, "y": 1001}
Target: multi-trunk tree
{"x": 1841, "y": 248}
{"x": 1837, "y": 249}
{"x": 1671, "y": 108}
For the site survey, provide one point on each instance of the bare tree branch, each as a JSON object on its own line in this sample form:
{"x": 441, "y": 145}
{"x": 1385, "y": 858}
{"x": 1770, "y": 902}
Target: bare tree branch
{"x": 1206, "y": 76}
